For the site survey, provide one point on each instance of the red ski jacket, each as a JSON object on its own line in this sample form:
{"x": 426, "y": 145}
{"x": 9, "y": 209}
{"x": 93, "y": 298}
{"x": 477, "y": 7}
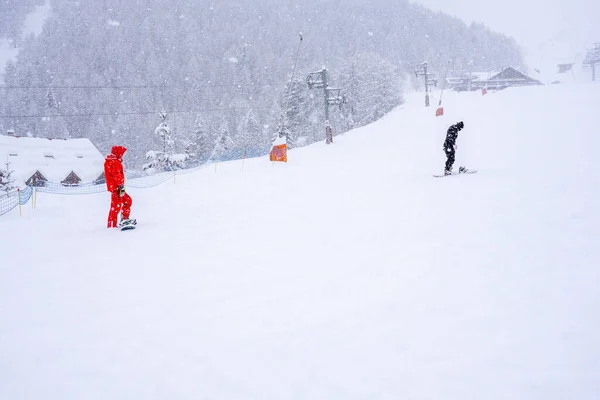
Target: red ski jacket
{"x": 113, "y": 168}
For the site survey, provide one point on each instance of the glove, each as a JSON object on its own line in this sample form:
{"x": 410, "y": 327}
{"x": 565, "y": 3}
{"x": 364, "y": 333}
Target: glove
{"x": 121, "y": 191}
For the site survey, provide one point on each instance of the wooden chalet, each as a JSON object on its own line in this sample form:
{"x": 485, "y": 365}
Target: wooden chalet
{"x": 508, "y": 77}
{"x": 37, "y": 179}
{"x": 41, "y": 161}
{"x": 71, "y": 180}
{"x": 100, "y": 179}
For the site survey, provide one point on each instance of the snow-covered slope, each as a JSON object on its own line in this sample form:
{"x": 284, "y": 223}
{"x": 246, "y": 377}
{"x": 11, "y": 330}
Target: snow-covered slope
{"x": 565, "y": 47}
{"x": 349, "y": 273}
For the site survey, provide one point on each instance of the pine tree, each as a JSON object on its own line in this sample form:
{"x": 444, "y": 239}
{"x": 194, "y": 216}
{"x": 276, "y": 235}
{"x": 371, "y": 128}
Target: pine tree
{"x": 7, "y": 182}
{"x": 250, "y": 136}
{"x": 281, "y": 131}
{"x": 223, "y": 144}
{"x": 300, "y": 116}
{"x": 348, "y": 119}
{"x": 165, "y": 160}
{"x": 198, "y": 148}
{"x": 157, "y": 162}
{"x": 374, "y": 87}
{"x": 163, "y": 131}
{"x": 181, "y": 55}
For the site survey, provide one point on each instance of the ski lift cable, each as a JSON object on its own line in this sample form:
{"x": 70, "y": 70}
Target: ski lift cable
{"x": 118, "y": 113}
{"x": 134, "y": 87}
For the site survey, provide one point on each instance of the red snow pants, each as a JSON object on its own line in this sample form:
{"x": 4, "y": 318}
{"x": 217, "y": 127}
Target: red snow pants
{"x": 118, "y": 204}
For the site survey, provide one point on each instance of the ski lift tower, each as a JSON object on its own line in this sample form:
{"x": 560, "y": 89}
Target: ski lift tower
{"x": 332, "y": 96}
{"x": 430, "y": 79}
{"x": 592, "y": 58}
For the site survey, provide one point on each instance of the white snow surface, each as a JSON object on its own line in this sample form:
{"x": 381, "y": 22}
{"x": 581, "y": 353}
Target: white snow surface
{"x": 565, "y": 47}
{"x": 348, "y": 273}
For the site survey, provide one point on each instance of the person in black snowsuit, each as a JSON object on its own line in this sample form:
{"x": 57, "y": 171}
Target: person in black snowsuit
{"x": 450, "y": 145}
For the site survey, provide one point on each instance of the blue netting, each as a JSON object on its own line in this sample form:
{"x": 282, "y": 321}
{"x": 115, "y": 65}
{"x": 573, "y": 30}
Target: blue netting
{"x": 10, "y": 200}
{"x": 59, "y": 188}
{"x": 149, "y": 181}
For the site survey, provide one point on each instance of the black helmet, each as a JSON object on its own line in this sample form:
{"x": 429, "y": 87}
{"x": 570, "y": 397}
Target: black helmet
{"x": 460, "y": 125}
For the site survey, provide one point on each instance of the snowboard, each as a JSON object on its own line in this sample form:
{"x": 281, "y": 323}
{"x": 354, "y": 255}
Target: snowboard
{"x": 129, "y": 225}
{"x": 468, "y": 171}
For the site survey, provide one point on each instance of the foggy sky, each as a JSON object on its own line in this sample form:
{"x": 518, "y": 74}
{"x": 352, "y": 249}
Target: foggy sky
{"x": 530, "y": 22}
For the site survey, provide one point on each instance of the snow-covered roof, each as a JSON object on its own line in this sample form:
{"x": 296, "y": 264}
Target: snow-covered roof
{"x": 473, "y": 76}
{"x": 483, "y": 76}
{"x": 54, "y": 158}
{"x": 511, "y": 74}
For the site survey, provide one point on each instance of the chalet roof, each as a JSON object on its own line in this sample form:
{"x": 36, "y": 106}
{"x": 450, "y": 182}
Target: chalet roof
{"x": 36, "y": 179}
{"x": 55, "y": 159}
{"x": 512, "y": 74}
{"x": 100, "y": 178}
{"x": 72, "y": 178}
{"x": 473, "y": 76}
{"x": 483, "y": 76}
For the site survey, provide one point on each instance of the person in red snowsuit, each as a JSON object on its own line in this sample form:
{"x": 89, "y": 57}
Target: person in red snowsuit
{"x": 115, "y": 181}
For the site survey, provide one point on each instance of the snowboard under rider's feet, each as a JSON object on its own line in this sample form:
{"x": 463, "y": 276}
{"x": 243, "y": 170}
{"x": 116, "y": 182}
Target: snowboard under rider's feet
{"x": 126, "y": 222}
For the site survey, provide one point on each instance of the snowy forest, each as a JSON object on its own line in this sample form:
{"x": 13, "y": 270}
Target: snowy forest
{"x": 111, "y": 70}
{"x": 12, "y": 17}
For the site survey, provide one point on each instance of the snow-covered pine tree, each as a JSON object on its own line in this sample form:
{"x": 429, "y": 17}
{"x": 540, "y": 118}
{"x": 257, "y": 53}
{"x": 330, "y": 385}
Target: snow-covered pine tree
{"x": 348, "y": 120}
{"x": 7, "y": 182}
{"x": 285, "y": 131}
{"x": 250, "y": 136}
{"x": 223, "y": 144}
{"x": 124, "y": 44}
{"x": 163, "y": 131}
{"x": 165, "y": 160}
{"x": 198, "y": 147}
{"x": 373, "y": 87}
{"x": 157, "y": 162}
{"x": 300, "y": 113}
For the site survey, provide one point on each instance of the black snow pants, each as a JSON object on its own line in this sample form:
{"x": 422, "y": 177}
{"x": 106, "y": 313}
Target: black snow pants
{"x": 450, "y": 154}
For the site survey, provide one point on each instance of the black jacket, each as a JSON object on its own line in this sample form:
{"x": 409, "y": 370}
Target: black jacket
{"x": 451, "y": 136}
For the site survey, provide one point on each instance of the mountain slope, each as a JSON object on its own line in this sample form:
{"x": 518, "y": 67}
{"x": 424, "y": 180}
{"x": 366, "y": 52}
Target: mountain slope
{"x": 348, "y": 273}
{"x": 218, "y": 60}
